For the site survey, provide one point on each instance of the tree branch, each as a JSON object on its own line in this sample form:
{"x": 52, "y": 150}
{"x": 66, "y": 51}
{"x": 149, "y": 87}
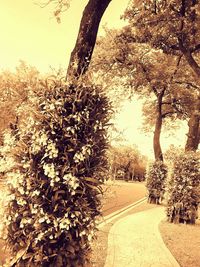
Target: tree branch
{"x": 188, "y": 84}
{"x": 167, "y": 113}
{"x": 195, "y": 49}
{"x": 189, "y": 58}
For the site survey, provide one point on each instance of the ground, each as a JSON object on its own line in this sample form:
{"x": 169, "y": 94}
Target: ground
{"x": 182, "y": 240}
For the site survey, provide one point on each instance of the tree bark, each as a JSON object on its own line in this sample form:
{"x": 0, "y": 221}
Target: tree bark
{"x": 189, "y": 58}
{"x": 193, "y": 133}
{"x": 158, "y": 127}
{"x": 82, "y": 52}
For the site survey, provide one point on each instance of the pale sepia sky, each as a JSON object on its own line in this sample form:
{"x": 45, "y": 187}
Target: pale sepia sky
{"x": 32, "y": 34}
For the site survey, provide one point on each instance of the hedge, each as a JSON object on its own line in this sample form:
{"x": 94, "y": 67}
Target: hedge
{"x": 184, "y": 189}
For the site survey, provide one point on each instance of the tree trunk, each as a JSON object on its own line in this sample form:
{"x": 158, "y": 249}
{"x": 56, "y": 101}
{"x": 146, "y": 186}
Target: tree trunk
{"x": 82, "y": 52}
{"x": 158, "y": 126}
{"x": 156, "y": 139}
{"x": 193, "y": 133}
{"x": 189, "y": 58}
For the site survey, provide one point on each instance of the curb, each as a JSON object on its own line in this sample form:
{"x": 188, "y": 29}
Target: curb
{"x": 118, "y": 213}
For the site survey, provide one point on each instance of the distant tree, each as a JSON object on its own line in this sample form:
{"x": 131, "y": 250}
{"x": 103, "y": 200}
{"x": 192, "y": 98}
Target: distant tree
{"x": 127, "y": 160}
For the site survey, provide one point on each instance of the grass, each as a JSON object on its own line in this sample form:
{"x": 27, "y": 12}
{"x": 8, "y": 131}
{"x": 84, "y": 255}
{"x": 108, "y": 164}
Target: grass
{"x": 183, "y": 241}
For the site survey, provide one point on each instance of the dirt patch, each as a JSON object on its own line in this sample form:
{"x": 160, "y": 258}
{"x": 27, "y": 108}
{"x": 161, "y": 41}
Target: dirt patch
{"x": 183, "y": 241}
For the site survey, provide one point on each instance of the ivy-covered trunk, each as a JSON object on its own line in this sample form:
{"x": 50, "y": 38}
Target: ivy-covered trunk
{"x": 184, "y": 189}
{"x": 156, "y": 177}
{"x": 58, "y": 166}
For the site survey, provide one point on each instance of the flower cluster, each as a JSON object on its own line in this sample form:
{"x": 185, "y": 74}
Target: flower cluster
{"x": 82, "y": 154}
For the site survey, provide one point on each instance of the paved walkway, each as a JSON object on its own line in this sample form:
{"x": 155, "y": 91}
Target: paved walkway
{"x": 135, "y": 241}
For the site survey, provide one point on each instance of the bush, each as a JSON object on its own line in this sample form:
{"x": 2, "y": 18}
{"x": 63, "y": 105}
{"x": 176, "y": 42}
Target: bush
{"x": 184, "y": 189}
{"x": 56, "y": 180}
{"x": 156, "y": 177}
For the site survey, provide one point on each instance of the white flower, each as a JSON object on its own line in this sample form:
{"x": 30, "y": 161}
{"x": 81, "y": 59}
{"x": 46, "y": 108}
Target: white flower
{"x": 6, "y": 163}
{"x": 21, "y": 202}
{"x": 39, "y": 237}
{"x": 51, "y": 106}
{"x": 41, "y": 220}
{"x": 71, "y": 180}
{"x": 65, "y": 223}
{"x": 57, "y": 179}
{"x": 21, "y": 190}
{"x": 51, "y": 149}
{"x": 78, "y": 157}
{"x": 82, "y": 233}
{"x": 36, "y": 193}
{"x": 49, "y": 170}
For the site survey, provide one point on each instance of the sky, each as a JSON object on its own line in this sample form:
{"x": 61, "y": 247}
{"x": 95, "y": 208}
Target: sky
{"x": 31, "y": 33}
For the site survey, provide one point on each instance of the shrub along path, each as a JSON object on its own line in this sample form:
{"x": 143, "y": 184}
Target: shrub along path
{"x": 135, "y": 241}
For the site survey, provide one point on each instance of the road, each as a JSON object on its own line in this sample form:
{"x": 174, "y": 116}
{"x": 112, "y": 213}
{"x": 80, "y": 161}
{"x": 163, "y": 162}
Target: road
{"x": 121, "y": 194}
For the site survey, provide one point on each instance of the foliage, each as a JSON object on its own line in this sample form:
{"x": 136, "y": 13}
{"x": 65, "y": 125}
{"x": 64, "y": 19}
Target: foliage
{"x": 172, "y": 153}
{"x": 121, "y": 62}
{"x": 128, "y": 161}
{"x": 173, "y": 28}
{"x": 15, "y": 92}
{"x": 156, "y": 178}
{"x": 54, "y": 183}
{"x": 60, "y": 6}
{"x": 184, "y": 189}
{"x": 165, "y": 23}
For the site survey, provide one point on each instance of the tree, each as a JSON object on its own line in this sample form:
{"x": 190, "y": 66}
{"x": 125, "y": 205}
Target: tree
{"x": 141, "y": 70}
{"x": 128, "y": 161}
{"x": 55, "y": 170}
{"x": 172, "y": 26}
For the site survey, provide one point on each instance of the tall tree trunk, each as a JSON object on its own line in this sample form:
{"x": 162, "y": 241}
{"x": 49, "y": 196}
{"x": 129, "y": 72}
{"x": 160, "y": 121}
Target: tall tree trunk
{"x": 156, "y": 139}
{"x": 193, "y": 133}
{"x": 158, "y": 127}
{"x": 82, "y": 52}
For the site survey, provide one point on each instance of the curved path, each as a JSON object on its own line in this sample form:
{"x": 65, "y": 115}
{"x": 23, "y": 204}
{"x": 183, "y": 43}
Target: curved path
{"x": 135, "y": 241}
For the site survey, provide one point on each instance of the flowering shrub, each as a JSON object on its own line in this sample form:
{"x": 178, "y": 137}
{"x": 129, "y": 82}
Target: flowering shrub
{"x": 55, "y": 182}
{"x": 184, "y": 189}
{"x": 156, "y": 177}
